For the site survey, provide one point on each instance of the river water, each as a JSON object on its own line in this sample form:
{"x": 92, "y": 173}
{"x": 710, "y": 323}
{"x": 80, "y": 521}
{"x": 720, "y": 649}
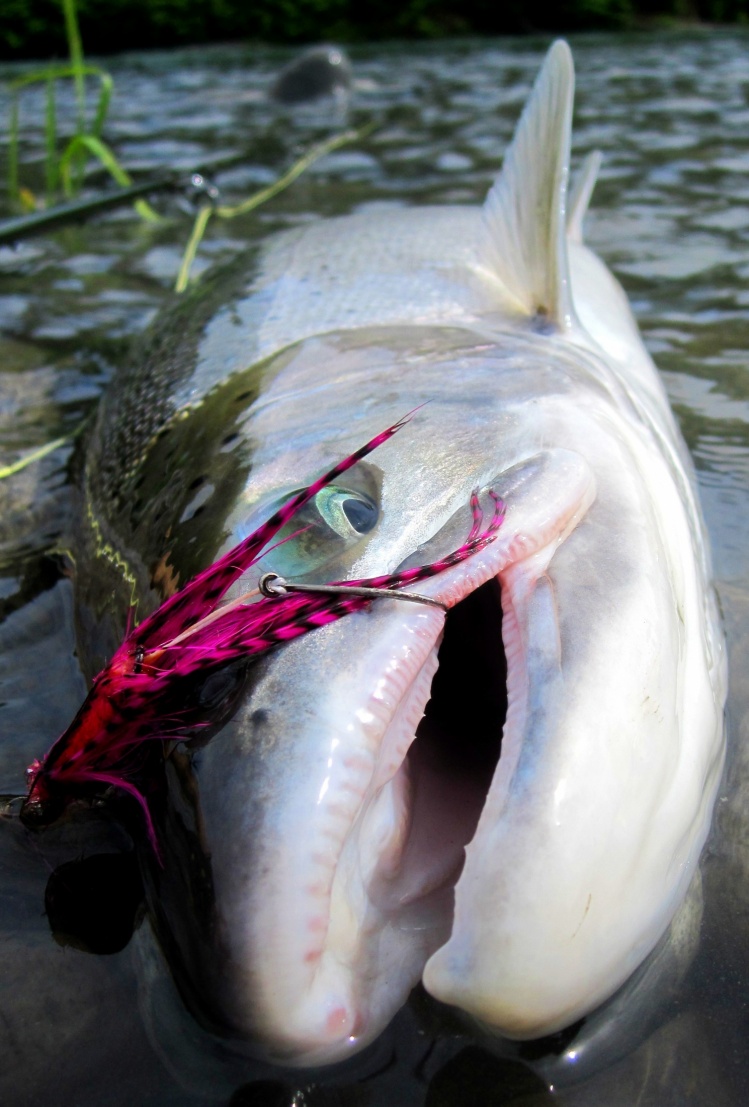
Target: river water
{"x": 671, "y": 217}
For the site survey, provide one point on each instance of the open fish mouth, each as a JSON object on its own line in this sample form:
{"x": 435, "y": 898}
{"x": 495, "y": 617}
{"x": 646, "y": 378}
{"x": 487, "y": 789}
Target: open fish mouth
{"x": 348, "y": 915}
{"x": 448, "y": 768}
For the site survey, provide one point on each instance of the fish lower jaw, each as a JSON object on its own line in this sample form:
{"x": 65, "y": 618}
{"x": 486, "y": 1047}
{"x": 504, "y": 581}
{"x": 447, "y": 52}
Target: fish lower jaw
{"x": 392, "y": 898}
{"x": 320, "y": 1028}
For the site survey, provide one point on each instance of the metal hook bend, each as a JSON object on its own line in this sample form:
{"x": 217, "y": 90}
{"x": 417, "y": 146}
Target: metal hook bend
{"x": 272, "y": 585}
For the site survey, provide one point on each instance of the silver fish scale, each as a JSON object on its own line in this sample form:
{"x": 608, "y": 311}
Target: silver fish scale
{"x": 419, "y": 264}
{"x": 307, "y": 282}
{"x": 142, "y": 400}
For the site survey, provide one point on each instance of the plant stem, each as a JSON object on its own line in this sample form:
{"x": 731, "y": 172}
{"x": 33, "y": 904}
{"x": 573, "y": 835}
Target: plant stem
{"x": 198, "y": 230}
{"x": 312, "y": 155}
{"x": 224, "y": 211}
{"x": 75, "y": 46}
{"x": 35, "y": 455}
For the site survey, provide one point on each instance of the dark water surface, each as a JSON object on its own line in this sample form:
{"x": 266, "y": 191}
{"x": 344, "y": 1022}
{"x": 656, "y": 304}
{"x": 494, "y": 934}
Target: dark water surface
{"x": 671, "y": 216}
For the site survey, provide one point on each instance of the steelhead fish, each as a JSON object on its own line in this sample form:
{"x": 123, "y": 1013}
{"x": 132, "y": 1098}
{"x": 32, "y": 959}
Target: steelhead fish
{"x": 507, "y": 802}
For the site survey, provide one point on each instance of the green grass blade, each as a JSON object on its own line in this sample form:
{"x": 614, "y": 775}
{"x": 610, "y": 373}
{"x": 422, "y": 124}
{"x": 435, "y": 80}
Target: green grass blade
{"x": 77, "y": 71}
{"x": 13, "y": 151}
{"x": 82, "y": 144}
{"x": 75, "y": 48}
{"x": 146, "y": 212}
{"x": 55, "y": 72}
{"x": 50, "y": 143}
{"x": 105, "y": 95}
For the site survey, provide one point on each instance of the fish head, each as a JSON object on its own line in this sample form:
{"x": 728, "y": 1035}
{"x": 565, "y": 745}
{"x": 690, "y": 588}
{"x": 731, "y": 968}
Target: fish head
{"x": 404, "y": 794}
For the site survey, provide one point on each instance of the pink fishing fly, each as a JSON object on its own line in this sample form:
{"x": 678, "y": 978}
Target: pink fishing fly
{"x": 132, "y": 699}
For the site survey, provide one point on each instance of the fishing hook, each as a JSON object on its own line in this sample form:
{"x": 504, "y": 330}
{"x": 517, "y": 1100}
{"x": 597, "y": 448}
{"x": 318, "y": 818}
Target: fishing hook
{"x": 272, "y": 585}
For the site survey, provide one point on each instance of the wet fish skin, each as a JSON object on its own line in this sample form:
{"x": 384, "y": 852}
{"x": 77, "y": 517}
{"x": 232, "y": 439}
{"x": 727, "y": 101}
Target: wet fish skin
{"x": 322, "y": 896}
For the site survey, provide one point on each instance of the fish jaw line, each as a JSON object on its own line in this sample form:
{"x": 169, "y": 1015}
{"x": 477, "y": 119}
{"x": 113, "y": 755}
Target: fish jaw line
{"x": 333, "y": 993}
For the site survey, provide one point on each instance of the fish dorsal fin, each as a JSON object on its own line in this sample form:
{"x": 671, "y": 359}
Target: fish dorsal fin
{"x": 525, "y": 245}
{"x": 580, "y": 194}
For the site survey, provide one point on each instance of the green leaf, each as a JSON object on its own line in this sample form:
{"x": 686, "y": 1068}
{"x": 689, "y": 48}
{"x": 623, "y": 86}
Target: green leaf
{"x": 100, "y": 151}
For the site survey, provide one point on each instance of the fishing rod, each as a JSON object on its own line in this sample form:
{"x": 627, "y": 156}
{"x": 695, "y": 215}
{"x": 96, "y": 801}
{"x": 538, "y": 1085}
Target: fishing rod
{"x": 75, "y": 211}
{"x": 25, "y": 226}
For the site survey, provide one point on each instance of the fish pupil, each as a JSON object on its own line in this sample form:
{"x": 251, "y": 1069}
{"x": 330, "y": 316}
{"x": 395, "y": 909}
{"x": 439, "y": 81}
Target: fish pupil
{"x": 361, "y": 515}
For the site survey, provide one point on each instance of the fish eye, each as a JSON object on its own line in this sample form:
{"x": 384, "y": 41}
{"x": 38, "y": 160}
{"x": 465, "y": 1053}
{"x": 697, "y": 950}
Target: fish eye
{"x": 325, "y": 529}
{"x": 347, "y": 513}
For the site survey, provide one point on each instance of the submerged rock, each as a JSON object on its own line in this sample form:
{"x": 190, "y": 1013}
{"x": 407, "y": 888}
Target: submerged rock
{"x": 319, "y": 71}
